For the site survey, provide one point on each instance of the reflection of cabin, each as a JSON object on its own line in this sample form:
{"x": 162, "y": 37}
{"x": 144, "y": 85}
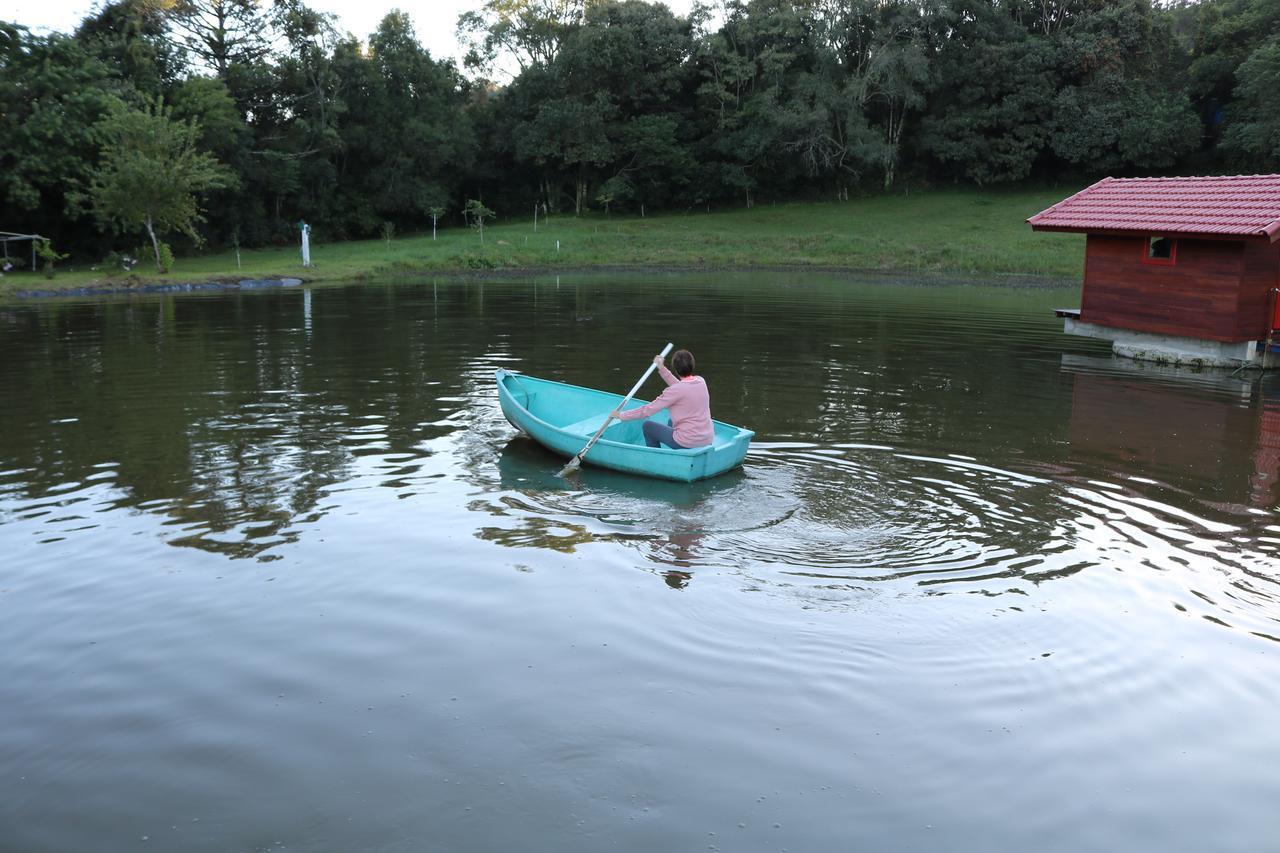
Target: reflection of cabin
{"x": 1205, "y": 434}
{"x": 1176, "y": 269}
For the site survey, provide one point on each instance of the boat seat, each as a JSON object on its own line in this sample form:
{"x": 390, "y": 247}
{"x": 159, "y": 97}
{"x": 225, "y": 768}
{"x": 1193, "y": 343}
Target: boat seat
{"x": 587, "y": 426}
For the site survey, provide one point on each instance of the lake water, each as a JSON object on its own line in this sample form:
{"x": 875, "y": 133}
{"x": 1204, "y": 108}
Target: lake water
{"x": 275, "y": 574}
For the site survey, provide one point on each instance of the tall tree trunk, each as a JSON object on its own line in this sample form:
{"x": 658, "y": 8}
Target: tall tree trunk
{"x": 155, "y": 244}
{"x": 580, "y": 199}
{"x": 550, "y": 201}
{"x": 897, "y": 120}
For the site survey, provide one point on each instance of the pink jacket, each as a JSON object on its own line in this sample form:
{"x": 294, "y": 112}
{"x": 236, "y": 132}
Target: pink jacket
{"x": 689, "y": 404}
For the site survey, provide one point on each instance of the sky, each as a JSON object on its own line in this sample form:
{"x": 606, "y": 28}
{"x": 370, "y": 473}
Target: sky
{"x": 433, "y": 20}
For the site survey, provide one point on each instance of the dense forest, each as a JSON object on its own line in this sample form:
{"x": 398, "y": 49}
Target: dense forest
{"x": 267, "y": 114}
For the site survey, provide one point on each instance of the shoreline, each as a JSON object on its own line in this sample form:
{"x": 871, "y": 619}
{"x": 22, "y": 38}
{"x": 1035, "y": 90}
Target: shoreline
{"x": 156, "y": 287}
{"x": 160, "y": 287}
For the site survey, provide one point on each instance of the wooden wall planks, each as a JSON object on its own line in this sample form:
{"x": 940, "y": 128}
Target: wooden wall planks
{"x": 1260, "y": 272}
{"x": 1216, "y": 290}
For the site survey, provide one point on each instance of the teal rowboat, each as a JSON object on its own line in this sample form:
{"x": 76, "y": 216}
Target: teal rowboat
{"x": 564, "y": 417}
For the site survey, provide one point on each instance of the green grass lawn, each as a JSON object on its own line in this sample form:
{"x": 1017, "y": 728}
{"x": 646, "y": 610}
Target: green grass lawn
{"x": 936, "y": 231}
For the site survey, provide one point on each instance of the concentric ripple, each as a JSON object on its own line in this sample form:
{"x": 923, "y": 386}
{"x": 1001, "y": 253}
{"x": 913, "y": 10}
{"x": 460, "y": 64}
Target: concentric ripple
{"x": 857, "y": 514}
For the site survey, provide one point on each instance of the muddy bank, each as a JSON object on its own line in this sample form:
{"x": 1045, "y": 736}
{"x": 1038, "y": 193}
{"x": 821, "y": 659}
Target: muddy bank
{"x": 903, "y": 277}
{"x": 159, "y": 287}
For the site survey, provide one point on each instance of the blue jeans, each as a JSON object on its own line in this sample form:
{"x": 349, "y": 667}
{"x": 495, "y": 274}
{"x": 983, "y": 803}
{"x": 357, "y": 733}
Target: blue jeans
{"x": 656, "y": 435}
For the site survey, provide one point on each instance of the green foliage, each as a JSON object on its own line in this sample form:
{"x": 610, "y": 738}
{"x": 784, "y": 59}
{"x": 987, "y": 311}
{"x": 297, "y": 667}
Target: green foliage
{"x": 52, "y": 93}
{"x": 1225, "y": 34}
{"x": 220, "y": 33}
{"x": 528, "y": 31}
{"x": 476, "y": 214}
{"x": 46, "y": 253}
{"x": 990, "y": 114}
{"x": 1253, "y": 130}
{"x": 161, "y": 251}
{"x": 472, "y": 261}
{"x": 123, "y": 262}
{"x": 151, "y": 173}
{"x": 165, "y": 257}
{"x": 406, "y": 140}
{"x": 129, "y": 38}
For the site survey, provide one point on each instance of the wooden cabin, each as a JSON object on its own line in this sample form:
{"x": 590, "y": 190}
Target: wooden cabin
{"x": 1184, "y": 270}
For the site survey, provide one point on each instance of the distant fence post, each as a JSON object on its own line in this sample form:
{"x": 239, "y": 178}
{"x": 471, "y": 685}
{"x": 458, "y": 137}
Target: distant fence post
{"x": 306, "y": 243}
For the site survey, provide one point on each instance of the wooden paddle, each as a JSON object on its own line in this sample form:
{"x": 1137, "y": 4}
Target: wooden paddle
{"x": 576, "y": 462}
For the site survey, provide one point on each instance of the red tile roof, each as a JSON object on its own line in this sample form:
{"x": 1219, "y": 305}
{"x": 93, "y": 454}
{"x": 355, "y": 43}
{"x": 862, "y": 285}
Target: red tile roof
{"x": 1239, "y": 206}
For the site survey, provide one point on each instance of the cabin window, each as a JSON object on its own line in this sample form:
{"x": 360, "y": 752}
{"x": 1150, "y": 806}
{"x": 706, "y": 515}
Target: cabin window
{"x": 1160, "y": 250}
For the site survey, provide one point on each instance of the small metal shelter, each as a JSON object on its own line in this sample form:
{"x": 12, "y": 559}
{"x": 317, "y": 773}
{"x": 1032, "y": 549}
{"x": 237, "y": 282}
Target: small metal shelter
{"x": 7, "y": 237}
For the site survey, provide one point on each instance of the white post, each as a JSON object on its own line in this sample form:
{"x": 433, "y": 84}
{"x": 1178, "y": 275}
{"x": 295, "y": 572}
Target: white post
{"x": 535, "y": 217}
{"x": 306, "y": 243}
{"x": 557, "y": 247}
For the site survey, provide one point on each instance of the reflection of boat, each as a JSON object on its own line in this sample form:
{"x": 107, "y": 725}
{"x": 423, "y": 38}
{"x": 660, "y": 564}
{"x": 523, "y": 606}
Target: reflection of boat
{"x": 564, "y": 417}
{"x": 524, "y": 465}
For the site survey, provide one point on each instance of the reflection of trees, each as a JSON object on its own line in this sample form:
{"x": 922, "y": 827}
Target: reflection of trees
{"x": 226, "y": 414}
{"x": 535, "y": 532}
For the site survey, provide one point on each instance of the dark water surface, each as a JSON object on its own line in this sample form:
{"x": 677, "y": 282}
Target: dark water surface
{"x": 275, "y": 574}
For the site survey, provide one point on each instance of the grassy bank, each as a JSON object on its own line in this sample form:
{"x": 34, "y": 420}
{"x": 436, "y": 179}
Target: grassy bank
{"x": 937, "y": 231}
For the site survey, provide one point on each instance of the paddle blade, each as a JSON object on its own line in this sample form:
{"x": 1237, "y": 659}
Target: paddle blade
{"x": 574, "y": 464}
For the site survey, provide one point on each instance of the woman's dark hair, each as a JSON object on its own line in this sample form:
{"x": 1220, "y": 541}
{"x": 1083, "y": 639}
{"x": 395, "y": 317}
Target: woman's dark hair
{"x": 682, "y": 363}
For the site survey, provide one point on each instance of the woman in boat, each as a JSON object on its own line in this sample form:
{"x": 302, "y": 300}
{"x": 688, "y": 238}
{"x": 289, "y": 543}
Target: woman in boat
{"x": 686, "y": 399}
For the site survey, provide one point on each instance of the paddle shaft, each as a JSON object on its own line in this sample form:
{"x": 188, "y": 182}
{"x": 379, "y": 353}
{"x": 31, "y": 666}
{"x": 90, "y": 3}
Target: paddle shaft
{"x": 577, "y": 460}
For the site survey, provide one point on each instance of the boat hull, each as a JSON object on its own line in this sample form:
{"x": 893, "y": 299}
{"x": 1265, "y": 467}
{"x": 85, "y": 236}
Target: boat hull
{"x": 563, "y": 418}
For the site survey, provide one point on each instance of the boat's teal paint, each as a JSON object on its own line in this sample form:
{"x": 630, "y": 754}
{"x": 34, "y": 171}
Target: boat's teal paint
{"x": 564, "y": 417}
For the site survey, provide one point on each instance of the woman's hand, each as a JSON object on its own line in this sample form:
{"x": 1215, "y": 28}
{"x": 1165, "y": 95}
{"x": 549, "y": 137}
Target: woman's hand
{"x": 613, "y": 416}
{"x": 658, "y": 360}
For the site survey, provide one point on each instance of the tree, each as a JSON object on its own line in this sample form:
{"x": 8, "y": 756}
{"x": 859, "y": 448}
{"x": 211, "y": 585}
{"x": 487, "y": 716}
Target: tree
{"x": 52, "y": 93}
{"x": 746, "y": 69}
{"x": 1226, "y": 34}
{"x": 1118, "y": 104}
{"x": 569, "y": 134}
{"x": 220, "y": 32}
{"x": 1253, "y": 125}
{"x": 894, "y": 82}
{"x": 476, "y": 213}
{"x": 224, "y": 134}
{"x": 407, "y": 139}
{"x": 989, "y": 115}
{"x": 151, "y": 173}
{"x": 294, "y": 111}
{"x": 435, "y": 213}
{"x": 130, "y": 38}
{"x": 46, "y": 252}
{"x": 529, "y": 31}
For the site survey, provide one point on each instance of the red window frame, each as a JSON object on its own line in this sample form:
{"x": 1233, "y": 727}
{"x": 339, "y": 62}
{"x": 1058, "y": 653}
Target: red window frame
{"x": 1164, "y": 262}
